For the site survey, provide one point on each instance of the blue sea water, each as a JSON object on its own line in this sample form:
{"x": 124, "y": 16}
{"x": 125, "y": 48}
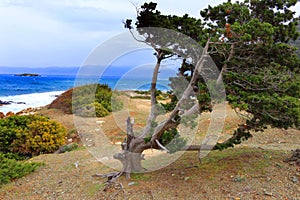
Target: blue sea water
{"x": 41, "y": 90}
{"x": 12, "y": 85}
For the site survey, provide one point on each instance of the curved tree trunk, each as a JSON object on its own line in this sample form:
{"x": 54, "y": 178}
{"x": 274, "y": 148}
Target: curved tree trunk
{"x": 131, "y": 162}
{"x": 132, "y": 149}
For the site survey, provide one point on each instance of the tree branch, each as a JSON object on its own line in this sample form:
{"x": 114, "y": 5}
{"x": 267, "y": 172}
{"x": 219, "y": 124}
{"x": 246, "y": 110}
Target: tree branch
{"x": 161, "y": 127}
{"x": 198, "y": 148}
{"x": 192, "y": 110}
{"x": 224, "y": 68}
{"x": 153, "y": 114}
{"x": 161, "y": 146}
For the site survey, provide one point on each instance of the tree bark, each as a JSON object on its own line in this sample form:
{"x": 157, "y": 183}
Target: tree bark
{"x": 132, "y": 157}
{"x": 153, "y": 112}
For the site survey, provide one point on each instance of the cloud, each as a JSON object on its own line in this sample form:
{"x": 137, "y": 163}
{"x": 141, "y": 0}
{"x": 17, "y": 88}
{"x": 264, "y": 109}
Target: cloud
{"x": 63, "y": 32}
{"x": 7, "y": 3}
{"x": 53, "y": 32}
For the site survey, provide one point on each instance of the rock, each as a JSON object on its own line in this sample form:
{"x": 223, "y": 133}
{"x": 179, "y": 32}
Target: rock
{"x": 295, "y": 158}
{"x": 238, "y": 178}
{"x": 295, "y": 179}
{"x": 5, "y": 102}
{"x": 132, "y": 183}
{"x": 2, "y": 103}
{"x": 27, "y": 111}
{"x": 66, "y": 148}
{"x": 9, "y": 114}
{"x": 267, "y": 193}
{"x": 76, "y": 164}
{"x": 27, "y": 74}
{"x": 2, "y": 115}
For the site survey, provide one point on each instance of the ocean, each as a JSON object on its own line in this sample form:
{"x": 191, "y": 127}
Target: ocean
{"x": 36, "y": 91}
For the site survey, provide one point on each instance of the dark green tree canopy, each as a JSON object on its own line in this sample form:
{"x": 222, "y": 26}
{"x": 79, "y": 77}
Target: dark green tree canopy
{"x": 248, "y": 41}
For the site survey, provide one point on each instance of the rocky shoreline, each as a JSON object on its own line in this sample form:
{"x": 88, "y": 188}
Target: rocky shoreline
{"x": 27, "y": 111}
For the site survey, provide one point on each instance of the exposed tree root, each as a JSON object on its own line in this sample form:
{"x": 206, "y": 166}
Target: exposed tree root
{"x": 111, "y": 183}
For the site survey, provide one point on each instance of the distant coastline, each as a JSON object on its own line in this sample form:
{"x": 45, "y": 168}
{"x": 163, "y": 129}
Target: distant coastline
{"x": 18, "y": 93}
{"x": 27, "y": 74}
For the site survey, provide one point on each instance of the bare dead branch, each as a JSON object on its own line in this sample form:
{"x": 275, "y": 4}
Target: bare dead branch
{"x": 119, "y": 187}
{"x": 161, "y": 146}
{"x": 198, "y": 148}
{"x": 111, "y": 183}
{"x": 222, "y": 43}
{"x": 136, "y": 6}
{"x": 246, "y": 86}
{"x": 192, "y": 110}
{"x": 111, "y": 177}
{"x": 138, "y": 40}
{"x": 224, "y": 68}
{"x": 274, "y": 118}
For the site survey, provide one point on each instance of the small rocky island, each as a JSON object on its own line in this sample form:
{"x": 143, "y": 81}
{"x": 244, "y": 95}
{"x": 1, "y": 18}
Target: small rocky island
{"x": 2, "y": 103}
{"x": 27, "y": 74}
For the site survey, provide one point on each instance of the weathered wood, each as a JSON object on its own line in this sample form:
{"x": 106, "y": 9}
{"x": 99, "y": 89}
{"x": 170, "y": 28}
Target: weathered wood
{"x": 153, "y": 113}
{"x": 198, "y": 148}
{"x": 160, "y": 128}
{"x": 161, "y": 146}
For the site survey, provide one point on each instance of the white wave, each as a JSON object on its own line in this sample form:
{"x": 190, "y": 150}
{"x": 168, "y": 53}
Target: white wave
{"x": 33, "y": 100}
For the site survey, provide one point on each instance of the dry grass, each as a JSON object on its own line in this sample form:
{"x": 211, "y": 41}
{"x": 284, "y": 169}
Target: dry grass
{"x": 244, "y": 173}
{"x": 254, "y": 170}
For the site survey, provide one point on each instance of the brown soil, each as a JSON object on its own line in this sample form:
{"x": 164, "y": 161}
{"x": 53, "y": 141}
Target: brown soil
{"x": 253, "y": 170}
{"x": 63, "y": 102}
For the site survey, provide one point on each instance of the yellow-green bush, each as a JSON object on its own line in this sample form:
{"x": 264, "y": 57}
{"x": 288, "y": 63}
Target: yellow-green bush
{"x": 40, "y": 137}
{"x": 31, "y": 135}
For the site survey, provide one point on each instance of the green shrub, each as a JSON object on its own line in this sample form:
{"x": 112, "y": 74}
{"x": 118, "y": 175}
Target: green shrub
{"x": 84, "y": 101}
{"x": 172, "y": 141}
{"x": 30, "y": 135}
{"x": 100, "y": 110}
{"x": 92, "y": 110}
{"x": 11, "y": 169}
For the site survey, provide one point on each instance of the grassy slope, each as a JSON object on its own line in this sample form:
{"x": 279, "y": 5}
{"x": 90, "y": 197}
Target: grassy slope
{"x": 240, "y": 173}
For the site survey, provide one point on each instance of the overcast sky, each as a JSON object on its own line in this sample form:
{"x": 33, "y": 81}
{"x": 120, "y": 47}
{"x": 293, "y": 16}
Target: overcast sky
{"x": 41, "y": 33}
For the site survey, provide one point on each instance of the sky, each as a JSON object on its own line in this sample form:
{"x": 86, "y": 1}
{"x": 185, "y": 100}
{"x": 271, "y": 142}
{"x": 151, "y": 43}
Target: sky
{"x": 43, "y": 33}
